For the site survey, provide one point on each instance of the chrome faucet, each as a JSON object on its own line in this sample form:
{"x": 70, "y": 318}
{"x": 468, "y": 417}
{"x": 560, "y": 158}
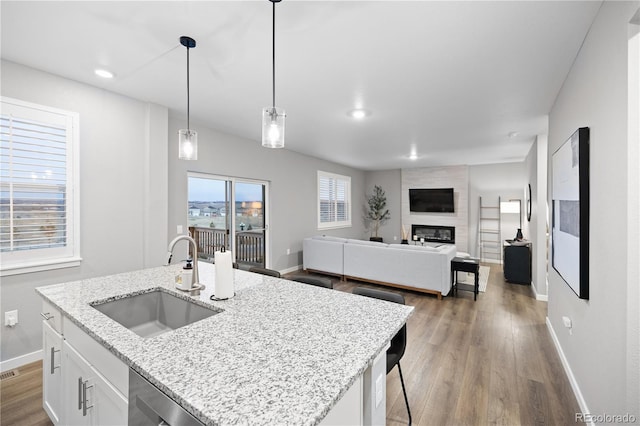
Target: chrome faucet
{"x": 192, "y": 243}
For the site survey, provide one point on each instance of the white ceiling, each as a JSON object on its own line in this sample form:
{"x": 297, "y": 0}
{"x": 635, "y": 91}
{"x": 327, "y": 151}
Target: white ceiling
{"x": 448, "y": 79}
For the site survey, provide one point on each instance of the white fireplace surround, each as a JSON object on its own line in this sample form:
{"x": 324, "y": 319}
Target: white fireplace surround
{"x": 456, "y": 177}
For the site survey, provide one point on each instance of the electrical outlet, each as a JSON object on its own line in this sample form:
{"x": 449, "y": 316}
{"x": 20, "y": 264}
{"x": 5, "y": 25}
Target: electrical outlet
{"x": 179, "y": 230}
{"x": 288, "y": 252}
{"x": 395, "y": 238}
{"x": 11, "y": 318}
{"x": 567, "y": 323}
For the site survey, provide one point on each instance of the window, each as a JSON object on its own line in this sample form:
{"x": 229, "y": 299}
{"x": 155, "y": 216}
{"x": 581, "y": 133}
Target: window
{"x": 38, "y": 188}
{"x": 334, "y": 201}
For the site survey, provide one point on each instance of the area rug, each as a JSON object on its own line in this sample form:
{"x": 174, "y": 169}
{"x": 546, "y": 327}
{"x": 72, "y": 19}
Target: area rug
{"x": 483, "y": 278}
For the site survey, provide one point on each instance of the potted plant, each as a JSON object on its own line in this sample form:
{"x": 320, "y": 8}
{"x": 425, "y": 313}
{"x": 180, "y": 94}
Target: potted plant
{"x": 377, "y": 213}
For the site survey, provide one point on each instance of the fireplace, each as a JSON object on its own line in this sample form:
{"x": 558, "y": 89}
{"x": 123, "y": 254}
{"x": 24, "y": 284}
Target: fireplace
{"x": 434, "y": 233}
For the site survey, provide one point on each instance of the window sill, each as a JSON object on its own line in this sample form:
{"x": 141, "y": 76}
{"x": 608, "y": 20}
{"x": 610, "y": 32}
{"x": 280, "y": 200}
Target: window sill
{"x": 336, "y": 226}
{"x": 39, "y": 266}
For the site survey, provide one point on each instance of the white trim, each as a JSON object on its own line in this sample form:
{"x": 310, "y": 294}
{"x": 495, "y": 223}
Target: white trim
{"x": 26, "y": 261}
{"x": 21, "y": 360}
{"x": 291, "y": 269}
{"x": 541, "y": 297}
{"x": 45, "y": 265}
{"x": 232, "y": 207}
{"x": 567, "y": 369}
{"x": 633, "y": 217}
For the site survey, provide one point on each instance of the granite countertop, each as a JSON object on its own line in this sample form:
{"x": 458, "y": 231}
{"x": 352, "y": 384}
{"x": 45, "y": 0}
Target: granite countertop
{"x": 281, "y": 352}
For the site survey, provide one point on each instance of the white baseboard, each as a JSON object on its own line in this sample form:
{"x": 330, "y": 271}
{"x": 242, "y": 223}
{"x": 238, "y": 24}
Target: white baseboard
{"x": 541, "y": 297}
{"x": 292, "y": 269}
{"x": 21, "y": 360}
{"x": 496, "y": 261}
{"x": 567, "y": 369}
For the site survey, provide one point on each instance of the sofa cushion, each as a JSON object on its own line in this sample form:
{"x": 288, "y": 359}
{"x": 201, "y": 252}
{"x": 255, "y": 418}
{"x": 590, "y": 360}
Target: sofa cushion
{"x": 330, "y": 238}
{"x": 367, "y": 243}
{"x": 412, "y": 247}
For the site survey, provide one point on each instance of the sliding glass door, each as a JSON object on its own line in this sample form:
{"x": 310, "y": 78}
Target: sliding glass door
{"x": 231, "y": 213}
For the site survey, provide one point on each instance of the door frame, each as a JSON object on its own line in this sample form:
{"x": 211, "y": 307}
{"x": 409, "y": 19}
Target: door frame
{"x": 232, "y": 207}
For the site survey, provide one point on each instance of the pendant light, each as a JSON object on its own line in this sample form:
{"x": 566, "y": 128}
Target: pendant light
{"x": 273, "y": 117}
{"x": 187, "y": 138}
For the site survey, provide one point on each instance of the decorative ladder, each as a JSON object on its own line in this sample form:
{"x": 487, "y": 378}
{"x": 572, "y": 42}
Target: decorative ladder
{"x": 489, "y": 243}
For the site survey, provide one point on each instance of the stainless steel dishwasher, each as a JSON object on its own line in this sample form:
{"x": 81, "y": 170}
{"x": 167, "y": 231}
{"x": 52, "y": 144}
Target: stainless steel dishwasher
{"x": 150, "y": 406}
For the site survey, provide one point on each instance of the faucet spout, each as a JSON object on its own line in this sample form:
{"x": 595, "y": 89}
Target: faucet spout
{"x": 194, "y": 247}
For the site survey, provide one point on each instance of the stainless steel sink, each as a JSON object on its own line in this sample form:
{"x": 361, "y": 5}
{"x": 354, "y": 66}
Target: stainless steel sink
{"x": 153, "y": 313}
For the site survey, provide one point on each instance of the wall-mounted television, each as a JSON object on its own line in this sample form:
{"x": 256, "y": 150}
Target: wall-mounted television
{"x": 431, "y": 200}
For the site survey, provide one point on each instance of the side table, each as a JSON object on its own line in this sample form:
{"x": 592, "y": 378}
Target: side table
{"x": 471, "y": 265}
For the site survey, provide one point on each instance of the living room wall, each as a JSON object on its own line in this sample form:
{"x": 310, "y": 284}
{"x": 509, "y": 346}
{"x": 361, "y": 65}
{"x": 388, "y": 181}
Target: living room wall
{"x": 293, "y": 187}
{"x": 389, "y": 180}
{"x": 123, "y": 198}
{"x": 595, "y": 95}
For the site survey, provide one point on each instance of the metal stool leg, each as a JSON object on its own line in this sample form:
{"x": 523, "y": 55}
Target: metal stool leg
{"x": 404, "y": 391}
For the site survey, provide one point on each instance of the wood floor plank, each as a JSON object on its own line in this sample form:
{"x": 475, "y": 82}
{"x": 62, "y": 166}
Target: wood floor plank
{"x": 489, "y": 362}
{"x": 21, "y": 398}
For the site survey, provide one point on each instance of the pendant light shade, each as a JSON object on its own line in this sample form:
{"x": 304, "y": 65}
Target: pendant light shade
{"x": 273, "y": 117}
{"x": 187, "y": 138}
{"x": 187, "y": 144}
{"x": 273, "y": 127}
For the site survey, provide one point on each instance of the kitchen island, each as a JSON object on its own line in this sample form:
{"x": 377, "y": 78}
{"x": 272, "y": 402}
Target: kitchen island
{"x": 279, "y": 352}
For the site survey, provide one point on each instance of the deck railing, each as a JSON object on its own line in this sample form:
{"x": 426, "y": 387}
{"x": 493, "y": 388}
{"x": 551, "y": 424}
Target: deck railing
{"x": 249, "y": 247}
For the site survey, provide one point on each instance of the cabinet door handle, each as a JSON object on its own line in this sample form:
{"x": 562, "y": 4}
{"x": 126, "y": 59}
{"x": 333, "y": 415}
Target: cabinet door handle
{"x": 53, "y": 351}
{"x": 84, "y": 397}
{"x": 79, "y": 393}
{"x": 46, "y": 315}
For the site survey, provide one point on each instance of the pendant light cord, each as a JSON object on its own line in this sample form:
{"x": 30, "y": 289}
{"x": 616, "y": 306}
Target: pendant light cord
{"x": 273, "y": 62}
{"x": 188, "y": 127}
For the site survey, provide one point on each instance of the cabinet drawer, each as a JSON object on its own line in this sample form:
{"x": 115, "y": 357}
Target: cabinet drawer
{"x": 52, "y": 316}
{"x": 106, "y": 363}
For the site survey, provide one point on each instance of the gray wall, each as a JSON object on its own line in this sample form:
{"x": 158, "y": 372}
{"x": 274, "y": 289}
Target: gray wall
{"x": 390, "y": 181}
{"x": 595, "y": 95}
{"x": 293, "y": 187}
{"x": 122, "y": 154}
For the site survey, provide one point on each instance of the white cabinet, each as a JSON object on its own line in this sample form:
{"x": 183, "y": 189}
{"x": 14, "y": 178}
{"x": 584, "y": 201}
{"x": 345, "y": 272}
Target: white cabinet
{"x": 52, "y": 374}
{"x": 76, "y": 391}
{"x": 89, "y": 398}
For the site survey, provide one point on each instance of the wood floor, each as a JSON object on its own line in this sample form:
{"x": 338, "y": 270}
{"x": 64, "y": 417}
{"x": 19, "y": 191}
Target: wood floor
{"x": 21, "y": 398}
{"x": 489, "y": 362}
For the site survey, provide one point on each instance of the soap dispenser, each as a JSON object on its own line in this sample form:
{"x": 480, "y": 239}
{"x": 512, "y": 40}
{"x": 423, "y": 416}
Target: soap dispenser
{"x": 186, "y": 277}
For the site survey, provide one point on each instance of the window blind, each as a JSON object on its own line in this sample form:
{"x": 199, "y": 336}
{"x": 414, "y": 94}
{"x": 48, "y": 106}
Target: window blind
{"x": 33, "y": 172}
{"x": 334, "y": 200}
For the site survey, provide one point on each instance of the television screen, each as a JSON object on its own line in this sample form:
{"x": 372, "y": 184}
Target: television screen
{"x": 431, "y": 200}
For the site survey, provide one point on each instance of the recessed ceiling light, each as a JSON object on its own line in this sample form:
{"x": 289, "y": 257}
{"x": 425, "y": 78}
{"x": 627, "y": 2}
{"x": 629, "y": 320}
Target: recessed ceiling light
{"x": 513, "y": 134}
{"x": 359, "y": 113}
{"x": 104, "y": 73}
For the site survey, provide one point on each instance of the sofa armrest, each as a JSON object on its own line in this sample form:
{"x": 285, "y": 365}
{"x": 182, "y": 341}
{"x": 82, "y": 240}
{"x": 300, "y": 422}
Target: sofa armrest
{"x": 323, "y": 255}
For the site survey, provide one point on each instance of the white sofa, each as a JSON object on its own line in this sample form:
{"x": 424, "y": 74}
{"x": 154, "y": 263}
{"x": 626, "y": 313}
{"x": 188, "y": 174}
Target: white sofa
{"x": 426, "y": 269}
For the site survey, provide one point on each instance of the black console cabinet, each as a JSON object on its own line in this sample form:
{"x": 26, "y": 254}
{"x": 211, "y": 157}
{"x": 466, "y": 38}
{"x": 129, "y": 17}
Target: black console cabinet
{"x": 517, "y": 263}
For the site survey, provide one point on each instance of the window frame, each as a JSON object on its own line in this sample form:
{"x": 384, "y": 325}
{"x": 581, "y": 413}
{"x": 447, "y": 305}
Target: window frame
{"x": 334, "y": 224}
{"x": 28, "y": 261}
